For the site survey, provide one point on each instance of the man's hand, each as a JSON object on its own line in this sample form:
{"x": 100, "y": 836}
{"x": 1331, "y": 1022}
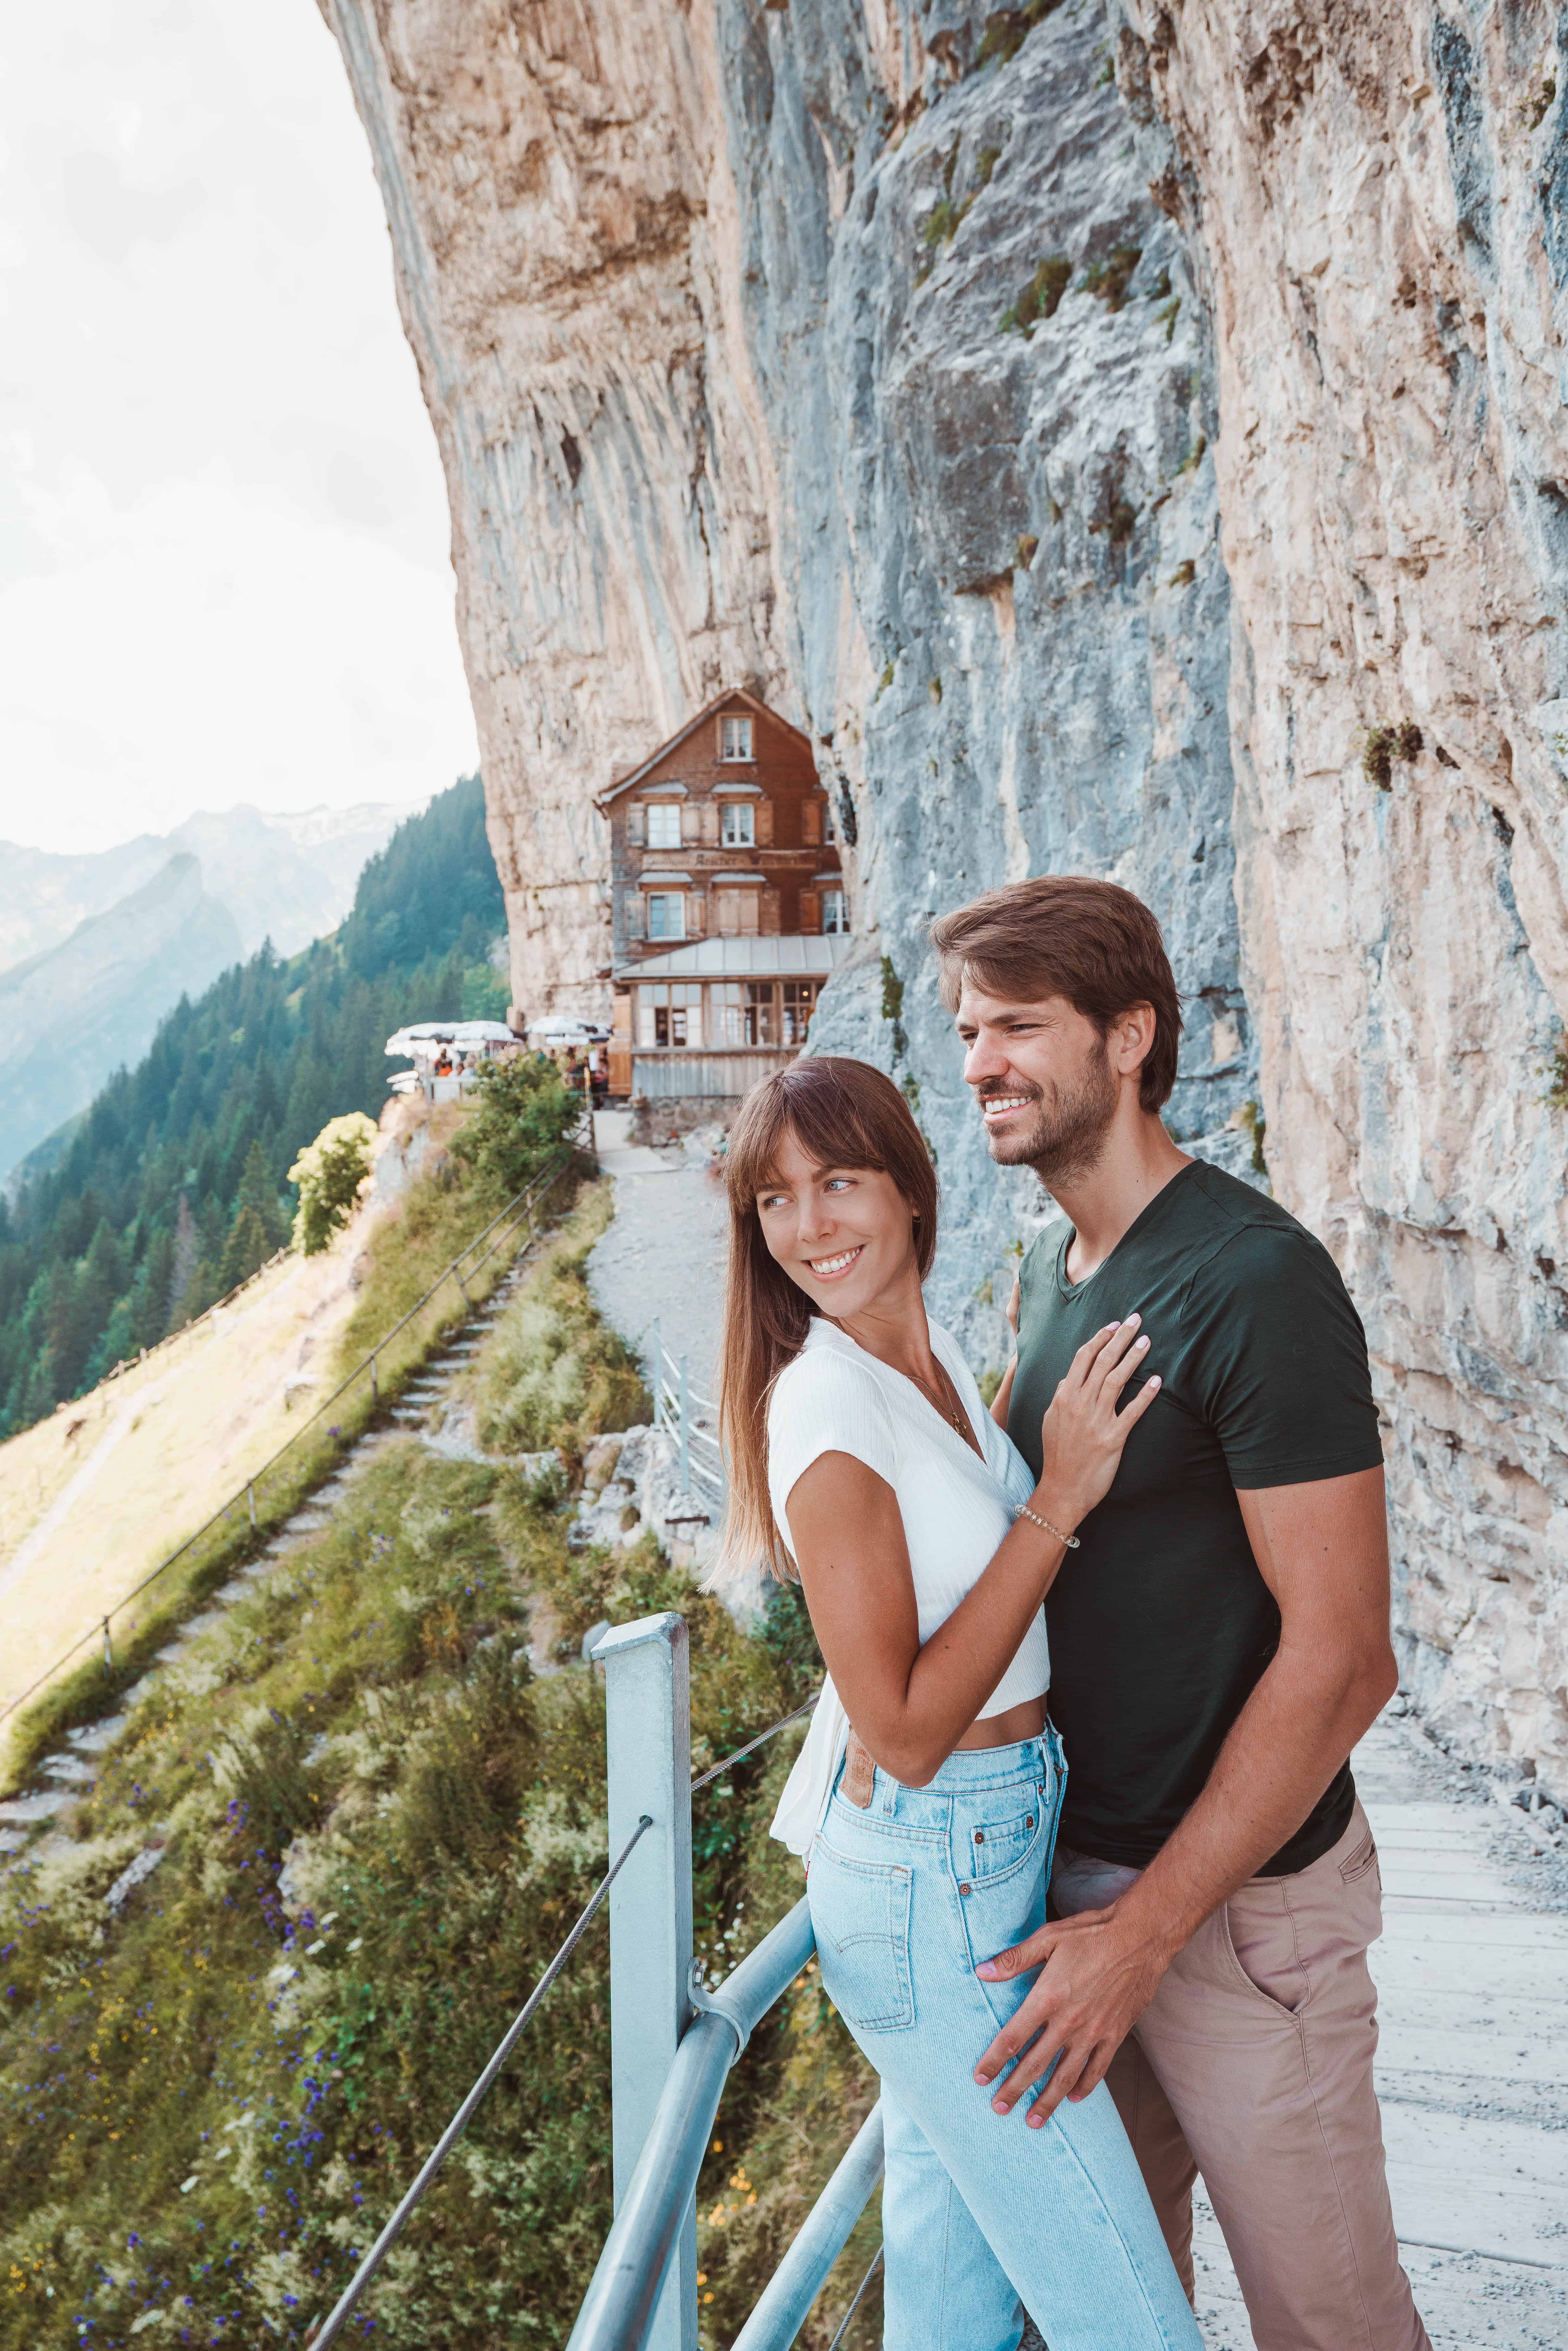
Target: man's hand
{"x": 1098, "y": 1973}
{"x": 1322, "y": 1550}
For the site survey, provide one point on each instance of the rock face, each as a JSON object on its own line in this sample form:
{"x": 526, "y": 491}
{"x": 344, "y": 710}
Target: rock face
{"x": 1380, "y": 197}
{"x": 907, "y": 364}
{"x": 710, "y": 315}
{"x": 565, "y": 238}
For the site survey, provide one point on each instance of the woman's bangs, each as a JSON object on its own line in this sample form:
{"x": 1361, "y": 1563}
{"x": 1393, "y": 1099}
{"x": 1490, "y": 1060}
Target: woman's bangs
{"x": 822, "y": 1121}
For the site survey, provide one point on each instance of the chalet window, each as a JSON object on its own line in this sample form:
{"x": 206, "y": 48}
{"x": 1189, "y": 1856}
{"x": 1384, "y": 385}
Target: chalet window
{"x": 670, "y": 1015}
{"x": 664, "y": 825}
{"x": 800, "y": 1003}
{"x": 735, "y": 738}
{"x": 828, "y": 830}
{"x": 739, "y": 825}
{"x": 743, "y": 1013}
{"x": 666, "y": 915}
{"x": 834, "y": 916}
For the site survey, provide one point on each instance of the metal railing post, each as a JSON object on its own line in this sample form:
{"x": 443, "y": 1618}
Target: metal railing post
{"x": 657, "y": 1357}
{"x": 648, "y": 1726}
{"x": 685, "y": 1429}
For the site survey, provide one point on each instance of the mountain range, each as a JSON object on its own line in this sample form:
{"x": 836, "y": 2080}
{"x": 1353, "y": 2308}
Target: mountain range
{"x": 95, "y": 948}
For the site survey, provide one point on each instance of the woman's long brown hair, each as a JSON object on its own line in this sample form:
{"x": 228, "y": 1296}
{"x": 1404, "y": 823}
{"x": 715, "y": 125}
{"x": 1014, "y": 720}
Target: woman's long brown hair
{"x": 843, "y": 1113}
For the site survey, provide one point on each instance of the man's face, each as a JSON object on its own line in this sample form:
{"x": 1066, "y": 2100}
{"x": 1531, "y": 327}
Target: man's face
{"x": 1043, "y": 1081}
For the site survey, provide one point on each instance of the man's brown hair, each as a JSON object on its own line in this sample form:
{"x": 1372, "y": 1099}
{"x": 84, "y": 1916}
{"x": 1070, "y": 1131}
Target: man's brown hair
{"x": 1064, "y": 934}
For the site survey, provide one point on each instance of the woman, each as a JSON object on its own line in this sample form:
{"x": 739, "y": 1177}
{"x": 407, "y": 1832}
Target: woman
{"x": 926, "y": 1796}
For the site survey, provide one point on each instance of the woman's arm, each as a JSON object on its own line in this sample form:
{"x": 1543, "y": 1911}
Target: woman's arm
{"x": 911, "y": 1704}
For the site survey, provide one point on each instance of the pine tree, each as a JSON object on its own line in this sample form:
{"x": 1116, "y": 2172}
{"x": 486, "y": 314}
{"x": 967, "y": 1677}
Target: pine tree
{"x": 259, "y": 1191}
{"x": 246, "y": 1250}
{"x": 182, "y": 1267}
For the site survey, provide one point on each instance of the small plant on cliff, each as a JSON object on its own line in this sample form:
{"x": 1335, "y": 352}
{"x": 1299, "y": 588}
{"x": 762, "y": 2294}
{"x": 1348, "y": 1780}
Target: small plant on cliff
{"x": 1008, "y": 29}
{"x": 1108, "y": 279}
{"x": 893, "y": 1007}
{"x": 1556, "y": 1076}
{"x": 1534, "y": 108}
{"x": 947, "y": 215}
{"x": 330, "y": 1172}
{"x": 1250, "y": 1120}
{"x": 1041, "y": 298}
{"x": 1385, "y": 743}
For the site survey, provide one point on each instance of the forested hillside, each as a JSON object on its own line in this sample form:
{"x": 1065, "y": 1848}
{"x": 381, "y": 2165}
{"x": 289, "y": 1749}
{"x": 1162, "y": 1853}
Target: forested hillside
{"x": 173, "y": 1186}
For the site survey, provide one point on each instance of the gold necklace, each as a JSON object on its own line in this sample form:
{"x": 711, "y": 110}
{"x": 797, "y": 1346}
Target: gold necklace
{"x": 955, "y": 1420}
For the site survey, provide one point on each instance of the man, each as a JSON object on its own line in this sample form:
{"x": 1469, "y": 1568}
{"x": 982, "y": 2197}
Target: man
{"x": 1218, "y": 1638}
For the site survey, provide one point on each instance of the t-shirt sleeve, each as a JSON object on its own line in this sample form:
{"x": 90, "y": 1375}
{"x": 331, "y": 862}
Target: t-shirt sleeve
{"x": 822, "y": 1404}
{"x": 1278, "y": 1361}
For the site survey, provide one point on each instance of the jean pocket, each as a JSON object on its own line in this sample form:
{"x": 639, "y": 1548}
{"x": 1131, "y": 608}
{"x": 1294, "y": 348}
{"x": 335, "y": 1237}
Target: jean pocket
{"x": 997, "y": 1846}
{"x": 860, "y": 1912}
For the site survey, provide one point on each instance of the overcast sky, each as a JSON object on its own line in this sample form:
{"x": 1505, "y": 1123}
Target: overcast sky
{"x": 224, "y": 567}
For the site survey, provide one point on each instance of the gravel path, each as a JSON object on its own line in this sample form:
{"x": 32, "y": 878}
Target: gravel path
{"x": 663, "y": 1257}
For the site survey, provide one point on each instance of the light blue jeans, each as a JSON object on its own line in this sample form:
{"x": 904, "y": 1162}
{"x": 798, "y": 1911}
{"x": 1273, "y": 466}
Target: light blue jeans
{"x": 982, "y": 2218}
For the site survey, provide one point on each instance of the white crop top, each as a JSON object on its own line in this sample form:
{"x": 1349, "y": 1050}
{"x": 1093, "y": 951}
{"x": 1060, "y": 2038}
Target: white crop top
{"x": 835, "y": 1398}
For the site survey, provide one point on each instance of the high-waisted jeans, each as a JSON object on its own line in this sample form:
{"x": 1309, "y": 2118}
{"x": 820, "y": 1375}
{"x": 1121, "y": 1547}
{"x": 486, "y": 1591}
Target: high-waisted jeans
{"x": 982, "y": 2218}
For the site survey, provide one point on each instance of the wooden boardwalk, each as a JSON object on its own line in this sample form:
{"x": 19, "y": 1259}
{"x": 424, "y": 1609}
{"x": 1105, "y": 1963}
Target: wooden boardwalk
{"x": 1472, "y": 1977}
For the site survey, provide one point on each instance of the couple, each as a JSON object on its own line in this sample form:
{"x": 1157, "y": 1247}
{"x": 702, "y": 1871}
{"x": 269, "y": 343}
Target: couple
{"x": 1183, "y": 1464}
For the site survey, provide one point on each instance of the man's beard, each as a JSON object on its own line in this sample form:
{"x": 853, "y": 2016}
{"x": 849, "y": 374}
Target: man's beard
{"x": 1066, "y": 1134}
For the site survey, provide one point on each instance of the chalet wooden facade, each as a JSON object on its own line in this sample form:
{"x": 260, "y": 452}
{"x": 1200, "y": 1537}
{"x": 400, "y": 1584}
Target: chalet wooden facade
{"x": 729, "y": 910}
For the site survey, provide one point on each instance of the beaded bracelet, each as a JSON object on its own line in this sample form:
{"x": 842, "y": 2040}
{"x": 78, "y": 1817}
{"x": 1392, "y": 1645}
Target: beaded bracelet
{"x": 1068, "y": 1543}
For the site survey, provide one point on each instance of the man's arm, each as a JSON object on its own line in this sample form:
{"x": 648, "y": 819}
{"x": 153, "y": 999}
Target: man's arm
{"x": 1322, "y": 1550}
{"x": 1004, "y": 1395}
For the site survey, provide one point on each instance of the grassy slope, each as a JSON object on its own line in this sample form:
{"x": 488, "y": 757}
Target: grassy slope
{"x": 409, "y": 1246}
{"x": 210, "y": 2099}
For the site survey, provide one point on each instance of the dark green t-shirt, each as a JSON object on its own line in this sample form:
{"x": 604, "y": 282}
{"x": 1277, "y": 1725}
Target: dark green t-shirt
{"x": 1160, "y": 1623}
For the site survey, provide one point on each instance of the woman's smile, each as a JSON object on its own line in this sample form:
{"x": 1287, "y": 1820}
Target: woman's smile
{"x": 829, "y": 1268}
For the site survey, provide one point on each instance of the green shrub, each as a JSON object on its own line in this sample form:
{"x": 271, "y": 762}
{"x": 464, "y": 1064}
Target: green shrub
{"x": 522, "y": 1111}
{"x": 329, "y": 1174}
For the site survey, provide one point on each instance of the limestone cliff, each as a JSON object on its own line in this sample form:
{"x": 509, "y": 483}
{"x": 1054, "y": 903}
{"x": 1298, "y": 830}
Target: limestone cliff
{"x": 1380, "y": 199}
{"x": 1116, "y": 438}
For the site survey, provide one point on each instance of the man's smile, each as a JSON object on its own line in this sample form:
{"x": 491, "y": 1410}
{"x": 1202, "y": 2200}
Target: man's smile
{"x": 995, "y": 1106}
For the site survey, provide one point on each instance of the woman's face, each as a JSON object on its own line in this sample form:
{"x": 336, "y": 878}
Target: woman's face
{"x": 844, "y": 1234}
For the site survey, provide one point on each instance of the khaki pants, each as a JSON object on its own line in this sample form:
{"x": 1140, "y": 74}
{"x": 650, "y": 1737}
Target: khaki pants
{"x": 1252, "y": 2065}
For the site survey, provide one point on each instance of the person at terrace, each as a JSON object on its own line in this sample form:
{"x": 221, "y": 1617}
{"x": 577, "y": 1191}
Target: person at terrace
{"x": 1219, "y": 1641}
{"x": 862, "y": 1456}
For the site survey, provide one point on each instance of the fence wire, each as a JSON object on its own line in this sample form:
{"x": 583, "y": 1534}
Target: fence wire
{"x": 344, "y": 2307}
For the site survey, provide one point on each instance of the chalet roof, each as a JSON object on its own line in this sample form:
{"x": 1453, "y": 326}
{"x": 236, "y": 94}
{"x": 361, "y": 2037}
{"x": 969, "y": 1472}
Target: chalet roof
{"x": 735, "y": 693}
{"x": 793, "y": 957}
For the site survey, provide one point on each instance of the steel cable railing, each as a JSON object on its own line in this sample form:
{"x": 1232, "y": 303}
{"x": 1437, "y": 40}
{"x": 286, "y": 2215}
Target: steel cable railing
{"x": 353, "y": 2291}
{"x": 753, "y": 1744}
{"x": 519, "y": 1209}
{"x": 691, "y": 1420}
{"x": 344, "y": 2307}
{"x": 844, "y": 2323}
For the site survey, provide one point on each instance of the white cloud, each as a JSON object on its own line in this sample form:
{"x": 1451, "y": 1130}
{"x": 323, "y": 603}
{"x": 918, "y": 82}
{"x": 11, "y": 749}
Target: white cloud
{"x": 223, "y": 570}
